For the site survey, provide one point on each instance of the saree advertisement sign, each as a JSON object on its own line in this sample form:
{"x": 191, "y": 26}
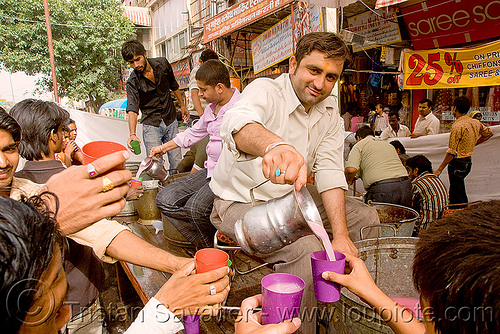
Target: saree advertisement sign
{"x": 452, "y": 68}
{"x": 438, "y": 23}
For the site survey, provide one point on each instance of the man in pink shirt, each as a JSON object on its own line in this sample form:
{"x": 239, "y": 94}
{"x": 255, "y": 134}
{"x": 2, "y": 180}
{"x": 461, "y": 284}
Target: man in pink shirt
{"x": 187, "y": 203}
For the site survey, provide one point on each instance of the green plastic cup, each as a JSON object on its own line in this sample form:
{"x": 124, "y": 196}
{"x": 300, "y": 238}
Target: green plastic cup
{"x": 136, "y": 146}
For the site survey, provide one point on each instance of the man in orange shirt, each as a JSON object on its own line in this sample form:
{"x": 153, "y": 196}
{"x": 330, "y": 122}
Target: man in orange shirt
{"x": 465, "y": 133}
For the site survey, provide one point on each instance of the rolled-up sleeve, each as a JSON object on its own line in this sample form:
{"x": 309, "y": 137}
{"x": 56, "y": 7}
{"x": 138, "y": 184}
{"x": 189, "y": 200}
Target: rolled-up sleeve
{"x": 195, "y": 134}
{"x": 98, "y": 236}
{"x": 354, "y": 159}
{"x": 455, "y": 136}
{"x": 250, "y": 108}
{"x": 328, "y": 167}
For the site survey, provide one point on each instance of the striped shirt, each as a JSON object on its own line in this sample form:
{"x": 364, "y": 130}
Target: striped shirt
{"x": 429, "y": 199}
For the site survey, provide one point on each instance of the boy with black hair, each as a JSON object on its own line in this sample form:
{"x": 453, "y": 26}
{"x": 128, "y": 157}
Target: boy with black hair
{"x": 187, "y": 203}
{"x": 455, "y": 272}
{"x": 429, "y": 193}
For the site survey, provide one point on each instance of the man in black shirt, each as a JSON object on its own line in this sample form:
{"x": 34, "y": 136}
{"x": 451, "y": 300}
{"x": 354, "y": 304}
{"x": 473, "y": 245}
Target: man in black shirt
{"x": 148, "y": 89}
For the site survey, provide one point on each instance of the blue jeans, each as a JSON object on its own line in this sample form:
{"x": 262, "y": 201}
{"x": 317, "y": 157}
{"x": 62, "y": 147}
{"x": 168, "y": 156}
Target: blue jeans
{"x": 157, "y": 135}
{"x": 187, "y": 204}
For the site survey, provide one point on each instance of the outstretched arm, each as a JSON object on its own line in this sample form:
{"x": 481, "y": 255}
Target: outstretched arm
{"x": 128, "y": 247}
{"x": 254, "y": 139}
{"x": 361, "y": 283}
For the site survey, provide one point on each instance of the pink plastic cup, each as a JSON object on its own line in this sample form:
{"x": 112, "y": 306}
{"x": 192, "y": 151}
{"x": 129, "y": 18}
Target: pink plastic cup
{"x": 326, "y": 291}
{"x": 281, "y": 297}
{"x": 98, "y": 149}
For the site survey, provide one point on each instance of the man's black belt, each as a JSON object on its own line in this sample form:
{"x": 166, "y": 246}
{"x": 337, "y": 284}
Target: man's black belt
{"x": 396, "y": 179}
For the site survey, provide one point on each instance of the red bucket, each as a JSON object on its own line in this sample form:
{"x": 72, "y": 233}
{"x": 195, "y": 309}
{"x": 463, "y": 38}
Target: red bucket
{"x": 98, "y": 149}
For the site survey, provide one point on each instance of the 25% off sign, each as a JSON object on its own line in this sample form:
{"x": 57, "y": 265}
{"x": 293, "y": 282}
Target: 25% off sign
{"x": 452, "y": 68}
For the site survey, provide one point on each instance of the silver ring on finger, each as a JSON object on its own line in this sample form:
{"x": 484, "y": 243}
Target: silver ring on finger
{"x": 213, "y": 291}
{"x": 279, "y": 172}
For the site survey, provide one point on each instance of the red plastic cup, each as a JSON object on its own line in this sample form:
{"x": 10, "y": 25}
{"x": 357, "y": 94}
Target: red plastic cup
{"x": 98, "y": 149}
{"x": 326, "y": 291}
{"x": 135, "y": 183}
{"x": 281, "y": 297}
{"x": 208, "y": 259}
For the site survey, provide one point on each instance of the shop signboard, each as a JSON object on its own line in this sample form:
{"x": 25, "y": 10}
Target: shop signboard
{"x": 488, "y": 115}
{"x": 438, "y": 23}
{"x": 181, "y": 72}
{"x": 315, "y": 19}
{"x": 452, "y": 68}
{"x": 377, "y": 28}
{"x": 239, "y": 15}
{"x": 272, "y": 46}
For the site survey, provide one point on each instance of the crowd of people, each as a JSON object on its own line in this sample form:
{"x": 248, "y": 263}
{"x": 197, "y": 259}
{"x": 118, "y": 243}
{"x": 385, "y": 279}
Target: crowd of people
{"x": 55, "y": 232}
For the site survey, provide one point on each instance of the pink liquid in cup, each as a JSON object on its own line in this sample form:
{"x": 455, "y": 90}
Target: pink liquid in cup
{"x": 320, "y": 232}
{"x": 284, "y": 287}
{"x": 281, "y": 297}
{"x": 326, "y": 291}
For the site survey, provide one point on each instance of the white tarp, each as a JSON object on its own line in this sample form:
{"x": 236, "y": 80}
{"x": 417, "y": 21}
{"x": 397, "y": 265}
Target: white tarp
{"x": 481, "y": 183}
{"x": 92, "y": 127}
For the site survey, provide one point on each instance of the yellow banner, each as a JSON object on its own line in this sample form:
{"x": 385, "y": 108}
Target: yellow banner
{"x": 452, "y": 68}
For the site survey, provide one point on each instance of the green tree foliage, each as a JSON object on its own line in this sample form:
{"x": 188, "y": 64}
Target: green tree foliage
{"x": 87, "y": 37}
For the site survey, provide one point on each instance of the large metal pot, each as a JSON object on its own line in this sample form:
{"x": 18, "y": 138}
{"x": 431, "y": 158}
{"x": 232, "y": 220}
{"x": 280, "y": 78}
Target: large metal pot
{"x": 395, "y": 220}
{"x": 276, "y": 223}
{"x": 389, "y": 261}
{"x": 146, "y": 204}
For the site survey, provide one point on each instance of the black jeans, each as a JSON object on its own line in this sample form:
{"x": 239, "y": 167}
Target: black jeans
{"x": 458, "y": 169}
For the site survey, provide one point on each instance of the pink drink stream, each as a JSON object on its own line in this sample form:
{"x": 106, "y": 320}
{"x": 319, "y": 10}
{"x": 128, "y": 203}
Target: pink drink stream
{"x": 283, "y": 287}
{"x": 323, "y": 236}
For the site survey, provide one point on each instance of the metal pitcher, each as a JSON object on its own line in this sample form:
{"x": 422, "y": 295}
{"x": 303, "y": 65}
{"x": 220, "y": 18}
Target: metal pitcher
{"x": 276, "y": 223}
{"x": 154, "y": 169}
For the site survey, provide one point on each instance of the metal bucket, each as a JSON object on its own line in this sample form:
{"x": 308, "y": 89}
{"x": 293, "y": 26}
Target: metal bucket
{"x": 129, "y": 209}
{"x": 389, "y": 261}
{"x": 146, "y": 204}
{"x": 394, "y": 217}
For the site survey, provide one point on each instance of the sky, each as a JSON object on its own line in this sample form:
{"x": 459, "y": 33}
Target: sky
{"x": 23, "y": 87}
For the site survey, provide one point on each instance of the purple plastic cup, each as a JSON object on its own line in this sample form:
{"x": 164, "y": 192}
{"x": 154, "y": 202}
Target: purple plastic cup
{"x": 281, "y": 297}
{"x": 326, "y": 291}
{"x": 192, "y": 324}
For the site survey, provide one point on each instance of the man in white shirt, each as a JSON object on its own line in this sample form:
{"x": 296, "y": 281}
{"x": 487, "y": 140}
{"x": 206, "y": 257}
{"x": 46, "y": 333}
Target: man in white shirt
{"x": 284, "y": 130}
{"x": 427, "y": 123}
{"x": 381, "y": 120}
{"x": 395, "y": 129}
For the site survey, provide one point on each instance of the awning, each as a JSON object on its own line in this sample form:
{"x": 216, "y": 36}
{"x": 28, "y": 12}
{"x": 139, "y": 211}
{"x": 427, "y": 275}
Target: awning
{"x": 332, "y": 3}
{"x": 115, "y": 104}
{"x": 139, "y": 15}
{"x": 385, "y": 3}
